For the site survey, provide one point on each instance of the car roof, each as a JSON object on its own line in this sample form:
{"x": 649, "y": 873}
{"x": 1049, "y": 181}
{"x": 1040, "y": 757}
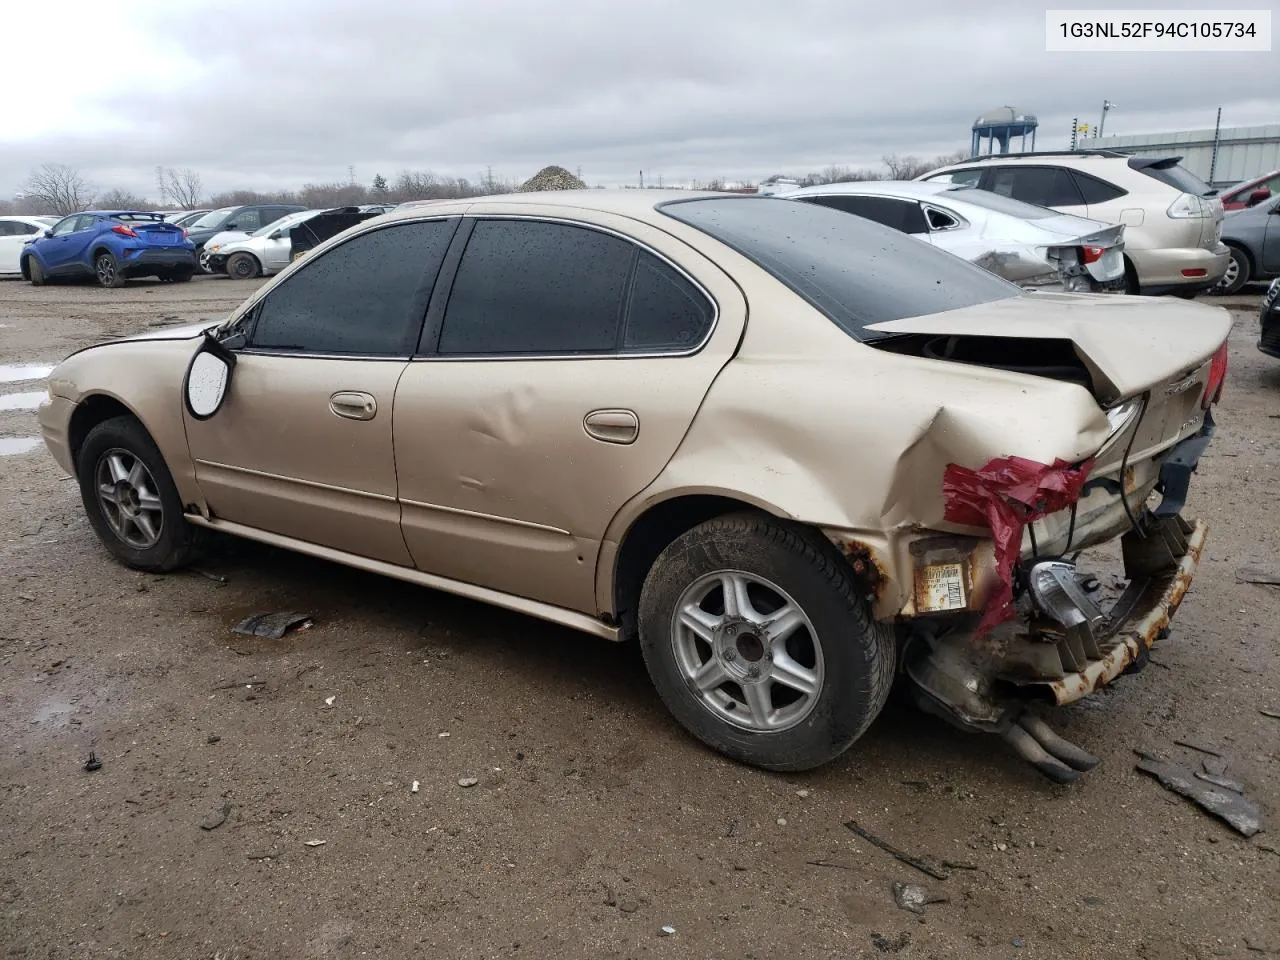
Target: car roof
{"x": 916, "y": 190}
{"x": 638, "y": 204}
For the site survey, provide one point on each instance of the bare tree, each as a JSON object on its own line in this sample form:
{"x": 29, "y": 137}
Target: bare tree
{"x": 117, "y": 199}
{"x": 58, "y": 189}
{"x": 183, "y": 188}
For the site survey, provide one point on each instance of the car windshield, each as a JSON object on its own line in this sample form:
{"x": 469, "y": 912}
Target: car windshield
{"x": 211, "y": 220}
{"x": 999, "y": 203}
{"x": 855, "y": 271}
{"x": 284, "y": 223}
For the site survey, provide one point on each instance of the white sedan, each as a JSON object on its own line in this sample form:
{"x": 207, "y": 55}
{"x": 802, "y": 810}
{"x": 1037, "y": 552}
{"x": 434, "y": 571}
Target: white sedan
{"x": 1034, "y": 247}
{"x": 14, "y": 234}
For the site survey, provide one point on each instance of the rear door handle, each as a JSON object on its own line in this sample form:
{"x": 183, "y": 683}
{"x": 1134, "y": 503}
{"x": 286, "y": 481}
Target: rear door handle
{"x": 612, "y": 426}
{"x": 353, "y": 405}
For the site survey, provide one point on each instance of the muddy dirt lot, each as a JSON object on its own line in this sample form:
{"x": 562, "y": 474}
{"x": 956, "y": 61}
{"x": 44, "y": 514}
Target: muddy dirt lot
{"x": 595, "y": 821}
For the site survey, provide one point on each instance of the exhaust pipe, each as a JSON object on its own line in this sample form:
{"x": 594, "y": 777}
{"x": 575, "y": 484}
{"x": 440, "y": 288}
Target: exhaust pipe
{"x": 1058, "y": 759}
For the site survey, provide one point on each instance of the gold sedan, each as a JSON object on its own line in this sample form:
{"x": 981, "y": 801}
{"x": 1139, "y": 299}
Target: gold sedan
{"x": 794, "y": 453}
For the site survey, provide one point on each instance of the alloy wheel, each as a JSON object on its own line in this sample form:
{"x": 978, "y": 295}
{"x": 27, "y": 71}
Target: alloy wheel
{"x": 130, "y": 501}
{"x": 747, "y": 651}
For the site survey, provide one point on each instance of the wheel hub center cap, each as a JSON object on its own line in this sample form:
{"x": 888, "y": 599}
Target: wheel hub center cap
{"x": 127, "y": 496}
{"x": 750, "y": 646}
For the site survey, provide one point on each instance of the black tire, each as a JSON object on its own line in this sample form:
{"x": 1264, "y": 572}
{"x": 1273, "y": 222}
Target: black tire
{"x": 182, "y": 276}
{"x": 35, "y": 272}
{"x": 107, "y": 270}
{"x": 1238, "y": 273}
{"x": 243, "y": 266}
{"x": 177, "y": 540}
{"x": 1132, "y": 286}
{"x": 857, "y": 654}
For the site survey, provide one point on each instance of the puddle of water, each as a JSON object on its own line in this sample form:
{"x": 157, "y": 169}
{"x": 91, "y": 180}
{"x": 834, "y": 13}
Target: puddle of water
{"x": 18, "y": 372}
{"x": 12, "y": 446}
{"x": 21, "y": 401}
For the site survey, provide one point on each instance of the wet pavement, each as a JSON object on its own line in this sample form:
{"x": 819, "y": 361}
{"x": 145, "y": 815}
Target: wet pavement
{"x": 594, "y": 821}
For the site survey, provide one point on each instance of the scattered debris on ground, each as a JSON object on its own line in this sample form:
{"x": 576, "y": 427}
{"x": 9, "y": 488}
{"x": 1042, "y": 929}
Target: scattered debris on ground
{"x": 273, "y": 626}
{"x": 216, "y": 819}
{"x": 891, "y": 945}
{"x": 1254, "y": 575}
{"x": 314, "y": 843}
{"x": 1227, "y": 805}
{"x": 913, "y": 897}
{"x": 93, "y": 763}
{"x": 467, "y": 781}
{"x": 908, "y": 859}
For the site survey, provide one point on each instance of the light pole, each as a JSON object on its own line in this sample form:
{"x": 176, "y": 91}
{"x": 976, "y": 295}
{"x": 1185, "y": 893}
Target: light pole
{"x": 1106, "y": 105}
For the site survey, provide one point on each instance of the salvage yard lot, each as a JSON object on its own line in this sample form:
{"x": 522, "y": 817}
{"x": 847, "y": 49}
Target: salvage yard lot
{"x": 595, "y": 820}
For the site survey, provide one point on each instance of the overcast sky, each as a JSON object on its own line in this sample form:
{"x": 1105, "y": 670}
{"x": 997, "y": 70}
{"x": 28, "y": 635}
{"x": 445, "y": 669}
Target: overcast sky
{"x": 276, "y": 93}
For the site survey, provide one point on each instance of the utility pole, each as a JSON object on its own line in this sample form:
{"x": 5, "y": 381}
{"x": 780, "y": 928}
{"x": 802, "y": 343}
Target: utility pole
{"x": 1075, "y": 129}
{"x": 1102, "y": 123}
{"x": 351, "y": 174}
{"x": 1213, "y": 159}
{"x": 641, "y": 179}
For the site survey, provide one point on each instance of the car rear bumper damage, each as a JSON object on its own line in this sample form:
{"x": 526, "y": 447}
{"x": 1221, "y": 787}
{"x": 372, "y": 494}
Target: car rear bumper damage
{"x": 991, "y": 626}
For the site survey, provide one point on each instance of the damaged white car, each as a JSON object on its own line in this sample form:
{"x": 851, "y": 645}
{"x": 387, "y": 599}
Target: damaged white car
{"x": 1034, "y": 247}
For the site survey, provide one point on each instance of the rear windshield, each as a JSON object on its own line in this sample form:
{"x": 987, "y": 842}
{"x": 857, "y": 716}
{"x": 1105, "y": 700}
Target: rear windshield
{"x": 1172, "y": 174}
{"x": 999, "y": 203}
{"x": 138, "y": 217}
{"x": 855, "y": 271}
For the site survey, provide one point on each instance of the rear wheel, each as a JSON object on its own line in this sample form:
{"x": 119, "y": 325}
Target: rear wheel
{"x": 1237, "y": 275}
{"x": 108, "y": 271}
{"x": 130, "y": 498}
{"x": 35, "y": 272}
{"x": 243, "y": 266}
{"x": 760, "y": 643}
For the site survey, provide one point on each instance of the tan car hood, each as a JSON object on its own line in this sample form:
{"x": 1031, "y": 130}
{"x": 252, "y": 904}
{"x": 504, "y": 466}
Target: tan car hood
{"x": 1128, "y": 343}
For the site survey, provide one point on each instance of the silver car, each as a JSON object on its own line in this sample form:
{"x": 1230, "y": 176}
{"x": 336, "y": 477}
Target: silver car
{"x": 1253, "y": 237}
{"x": 1031, "y": 246}
{"x": 261, "y": 253}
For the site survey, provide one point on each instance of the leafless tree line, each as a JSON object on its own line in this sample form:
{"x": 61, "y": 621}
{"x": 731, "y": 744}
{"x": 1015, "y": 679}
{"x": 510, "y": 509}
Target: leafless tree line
{"x": 59, "y": 189}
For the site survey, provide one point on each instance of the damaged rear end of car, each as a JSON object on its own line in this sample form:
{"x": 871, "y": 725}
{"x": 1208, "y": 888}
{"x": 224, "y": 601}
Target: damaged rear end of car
{"x": 1058, "y": 577}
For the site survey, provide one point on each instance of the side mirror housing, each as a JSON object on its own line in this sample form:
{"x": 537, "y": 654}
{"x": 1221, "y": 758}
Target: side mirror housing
{"x": 204, "y": 389}
{"x": 49, "y": 232}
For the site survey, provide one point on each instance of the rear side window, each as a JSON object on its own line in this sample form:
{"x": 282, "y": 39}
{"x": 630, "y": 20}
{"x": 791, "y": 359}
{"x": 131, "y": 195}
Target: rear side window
{"x": 1094, "y": 190}
{"x": 531, "y": 287}
{"x": 666, "y": 311}
{"x": 1042, "y": 186}
{"x": 366, "y": 297}
{"x": 903, "y": 215}
{"x": 1171, "y": 173}
{"x": 856, "y": 272}
{"x": 246, "y": 220}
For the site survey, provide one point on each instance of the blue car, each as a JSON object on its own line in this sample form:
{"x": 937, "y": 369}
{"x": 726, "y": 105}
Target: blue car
{"x": 112, "y": 246}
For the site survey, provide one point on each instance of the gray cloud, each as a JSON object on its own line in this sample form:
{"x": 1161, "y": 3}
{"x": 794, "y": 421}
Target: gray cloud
{"x": 274, "y": 95}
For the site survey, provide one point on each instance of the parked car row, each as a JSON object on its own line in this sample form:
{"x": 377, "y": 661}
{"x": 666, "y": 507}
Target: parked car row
{"x": 272, "y": 248}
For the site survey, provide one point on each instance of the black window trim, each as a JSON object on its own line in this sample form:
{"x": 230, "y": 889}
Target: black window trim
{"x": 248, "y": 317}
{"x": 429, "y": 345}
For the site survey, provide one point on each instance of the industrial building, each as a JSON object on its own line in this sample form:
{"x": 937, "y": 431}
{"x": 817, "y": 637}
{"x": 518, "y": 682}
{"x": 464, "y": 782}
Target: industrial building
{"x": 1238, "y": 153}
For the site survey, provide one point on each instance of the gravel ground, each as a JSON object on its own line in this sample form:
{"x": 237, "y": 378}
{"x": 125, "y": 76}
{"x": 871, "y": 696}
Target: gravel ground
{"x": 594, "y": 821}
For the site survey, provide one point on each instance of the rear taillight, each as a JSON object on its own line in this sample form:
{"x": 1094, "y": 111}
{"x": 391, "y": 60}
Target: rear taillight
{"x": 185, "y": 235}
{"x": 1217, "y": 377}
{"x": 1091, "y": 254}
{"x": 124, "y": 231}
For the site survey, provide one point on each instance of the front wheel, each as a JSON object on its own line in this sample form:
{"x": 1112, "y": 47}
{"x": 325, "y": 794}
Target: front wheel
{"x": 1237, "y": 274}
{"x": 35, "y": 272}
{"x": 243, "y": 266}
{"x": 108, "y": 271}
{"x": 758, "y": 640}
{"x": 130, "y": 497}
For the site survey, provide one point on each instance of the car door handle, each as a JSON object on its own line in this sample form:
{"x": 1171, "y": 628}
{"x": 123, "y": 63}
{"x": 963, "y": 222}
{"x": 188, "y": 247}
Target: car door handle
{"x": 612, "y": 426}
{"x": 353, "y": 405}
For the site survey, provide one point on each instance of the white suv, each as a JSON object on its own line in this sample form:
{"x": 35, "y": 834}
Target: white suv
{"x": 1173, "y": 227}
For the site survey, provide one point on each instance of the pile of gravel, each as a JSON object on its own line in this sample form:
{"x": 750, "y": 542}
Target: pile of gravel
{"x": 553, "y": 178}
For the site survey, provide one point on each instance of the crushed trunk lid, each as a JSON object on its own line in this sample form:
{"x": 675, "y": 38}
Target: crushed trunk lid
{"x": 1125, "y": 344}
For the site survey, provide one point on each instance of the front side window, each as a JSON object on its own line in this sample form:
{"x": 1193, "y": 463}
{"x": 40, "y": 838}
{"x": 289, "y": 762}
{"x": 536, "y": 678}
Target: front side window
{"x": 533, "y": 287}
{"x": 65, "y": 226}
{"x": 366, "y": 297}
{"x": 968, "y": 177}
